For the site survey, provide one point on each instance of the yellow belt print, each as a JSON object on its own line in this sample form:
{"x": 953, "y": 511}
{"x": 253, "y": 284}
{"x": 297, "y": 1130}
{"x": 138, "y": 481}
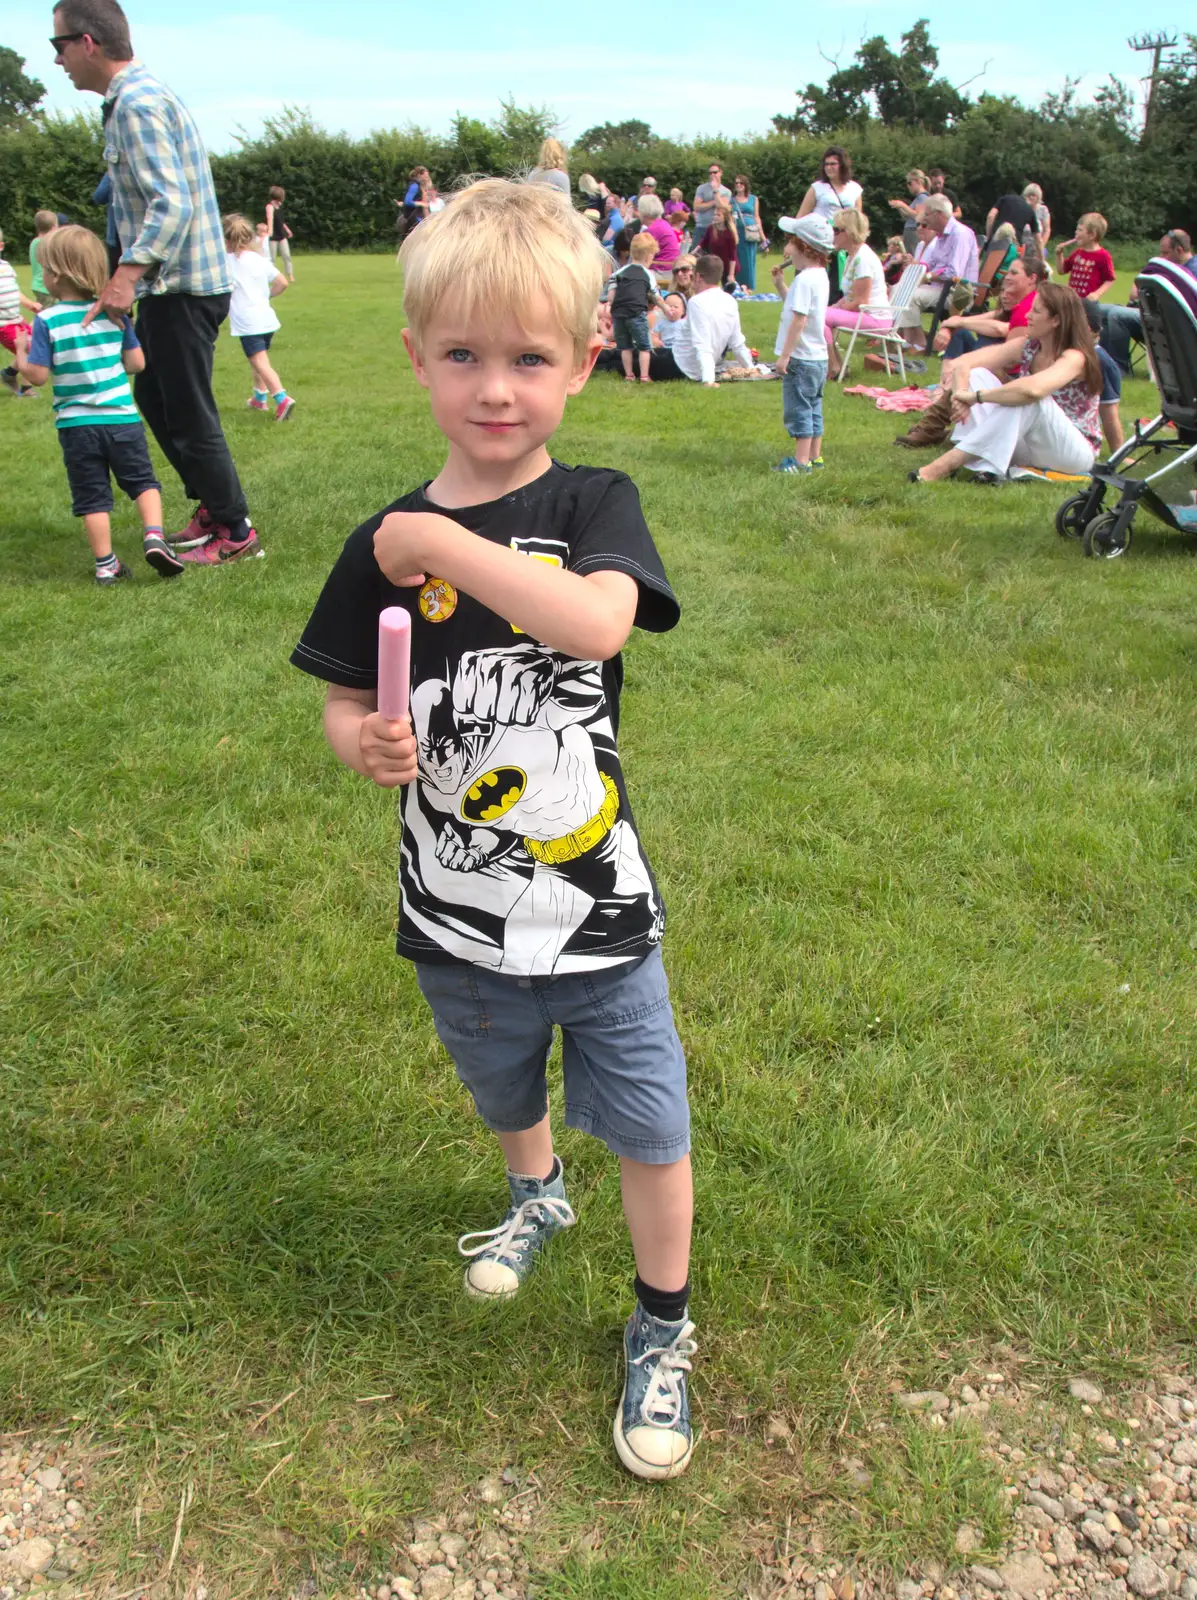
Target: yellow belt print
{"x": 552, "y": 852}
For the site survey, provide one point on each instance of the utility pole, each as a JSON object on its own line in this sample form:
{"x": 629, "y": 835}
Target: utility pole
{"x": 1157, "y": 43}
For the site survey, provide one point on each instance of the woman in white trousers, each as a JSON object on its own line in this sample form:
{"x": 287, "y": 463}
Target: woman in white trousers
{"x": 1045, "y": 415}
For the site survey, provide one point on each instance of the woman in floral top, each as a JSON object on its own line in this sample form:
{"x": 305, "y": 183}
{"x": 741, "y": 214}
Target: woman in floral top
{"x": 1044, "y": 414}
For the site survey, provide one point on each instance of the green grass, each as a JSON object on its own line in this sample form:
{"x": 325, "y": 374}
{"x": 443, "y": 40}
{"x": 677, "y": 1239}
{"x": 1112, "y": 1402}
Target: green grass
{"x": 918, "y": 782}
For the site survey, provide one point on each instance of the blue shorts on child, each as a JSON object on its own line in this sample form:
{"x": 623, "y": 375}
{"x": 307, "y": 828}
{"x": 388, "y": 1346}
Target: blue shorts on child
{"x": 802, "y": 398}
{"x": 253, "y": 344}
{"x": 92, "y": 453}
{"x": 622, "y": 1061}
{"x": 631, "y": 333}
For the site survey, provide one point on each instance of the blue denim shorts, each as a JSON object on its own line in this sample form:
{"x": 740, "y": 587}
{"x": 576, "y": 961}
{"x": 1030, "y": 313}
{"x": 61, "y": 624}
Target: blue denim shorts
{"x": 253, "y": 344}
{"x": 802, "y": 398}
{"x": 624, "y": 1070}
{"x": 631, "y": 333}
{"x": 91, "y": 453}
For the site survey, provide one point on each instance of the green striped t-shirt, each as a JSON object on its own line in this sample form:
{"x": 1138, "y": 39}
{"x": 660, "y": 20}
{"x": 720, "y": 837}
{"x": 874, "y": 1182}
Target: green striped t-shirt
{"x": 90, "y": 385}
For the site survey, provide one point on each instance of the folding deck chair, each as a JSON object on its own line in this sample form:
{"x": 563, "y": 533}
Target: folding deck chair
{"x": 898, "y": 301}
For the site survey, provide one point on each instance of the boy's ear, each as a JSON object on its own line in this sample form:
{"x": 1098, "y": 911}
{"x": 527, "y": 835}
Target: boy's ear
{"x": 583, "y": 368}
{"x": 413, "y": 355}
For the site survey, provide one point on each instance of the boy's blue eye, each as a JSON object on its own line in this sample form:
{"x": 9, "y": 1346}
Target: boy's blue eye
{"x": 458, "y": 355}
{"x": 531, "y": 359}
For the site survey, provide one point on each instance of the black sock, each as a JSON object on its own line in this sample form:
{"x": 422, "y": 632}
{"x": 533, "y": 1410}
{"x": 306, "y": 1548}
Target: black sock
{"x": 240, "y": 530}
{"x": 667, "y": 1305}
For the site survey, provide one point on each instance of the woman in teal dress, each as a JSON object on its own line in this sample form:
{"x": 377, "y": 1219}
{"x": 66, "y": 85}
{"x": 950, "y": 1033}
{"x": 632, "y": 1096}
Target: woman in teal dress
{"x": 747, "y": 210}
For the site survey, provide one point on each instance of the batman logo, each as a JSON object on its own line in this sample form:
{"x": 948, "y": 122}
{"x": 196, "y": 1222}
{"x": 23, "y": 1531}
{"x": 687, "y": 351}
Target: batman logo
{"x": 493, "y": 794}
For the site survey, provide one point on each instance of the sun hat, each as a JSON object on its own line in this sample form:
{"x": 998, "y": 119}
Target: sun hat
{"x": 811, "y": 229}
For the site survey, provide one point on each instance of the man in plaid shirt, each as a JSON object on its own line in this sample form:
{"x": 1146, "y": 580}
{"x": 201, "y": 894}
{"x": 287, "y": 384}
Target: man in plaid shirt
{"x": 173, "y": 263}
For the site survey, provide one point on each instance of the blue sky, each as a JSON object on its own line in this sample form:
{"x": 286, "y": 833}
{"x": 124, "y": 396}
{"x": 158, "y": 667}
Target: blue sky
{"x": 369, "y": 64}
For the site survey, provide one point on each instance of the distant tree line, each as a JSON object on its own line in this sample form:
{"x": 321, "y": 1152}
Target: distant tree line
{"x": 890, "y": 108}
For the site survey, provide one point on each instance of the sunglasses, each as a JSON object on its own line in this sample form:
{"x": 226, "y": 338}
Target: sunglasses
{"x": 59, "y": 39}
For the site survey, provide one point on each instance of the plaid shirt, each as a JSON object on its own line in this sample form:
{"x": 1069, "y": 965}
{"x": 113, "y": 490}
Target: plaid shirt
{"x": 162, "y": 192}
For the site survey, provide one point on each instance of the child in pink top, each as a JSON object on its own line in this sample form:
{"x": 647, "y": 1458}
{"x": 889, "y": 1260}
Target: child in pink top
{"x": 1090, "y": 269}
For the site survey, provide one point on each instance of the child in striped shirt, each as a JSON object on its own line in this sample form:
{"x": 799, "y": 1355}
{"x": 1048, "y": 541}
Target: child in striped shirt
{"x": 99, "y": 429}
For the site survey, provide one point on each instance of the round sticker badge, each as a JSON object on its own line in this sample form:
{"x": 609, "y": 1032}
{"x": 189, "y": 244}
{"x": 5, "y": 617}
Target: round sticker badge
{"x": 438, "y": 600}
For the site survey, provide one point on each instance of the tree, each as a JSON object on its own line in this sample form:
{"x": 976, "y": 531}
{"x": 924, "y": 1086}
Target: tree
{"x": 19, "y": 95}
{"x": 605, "y": 135}
{"x": 901, "y": 88}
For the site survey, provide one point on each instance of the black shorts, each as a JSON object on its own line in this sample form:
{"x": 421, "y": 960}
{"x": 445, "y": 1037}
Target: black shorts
{"x": 253, "y": 344}
{"x": 91, "y": 453}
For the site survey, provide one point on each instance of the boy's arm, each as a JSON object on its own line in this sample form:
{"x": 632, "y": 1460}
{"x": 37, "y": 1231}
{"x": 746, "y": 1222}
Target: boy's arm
{"x": 32, "y": 372}
{"x": 588, "y": 617}
{"x": 278, "y": 285}
{"x": 30, "y": 305}
{"x": 132, "y": 355}
{"x": 362, "y": 739}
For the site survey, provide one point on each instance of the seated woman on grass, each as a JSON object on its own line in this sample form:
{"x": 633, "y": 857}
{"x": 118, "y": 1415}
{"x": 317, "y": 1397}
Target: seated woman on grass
{"x": 863, "y": 283}
{"x": 1045, "y": 416}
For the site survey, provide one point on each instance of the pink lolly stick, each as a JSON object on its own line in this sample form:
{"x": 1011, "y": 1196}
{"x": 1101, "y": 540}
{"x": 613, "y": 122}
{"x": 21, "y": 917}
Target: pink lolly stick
{"x": 394, "y": 662}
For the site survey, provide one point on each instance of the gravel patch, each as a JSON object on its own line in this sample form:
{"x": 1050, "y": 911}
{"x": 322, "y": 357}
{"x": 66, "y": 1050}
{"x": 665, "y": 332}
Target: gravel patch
{"x": 47, "y": 1535}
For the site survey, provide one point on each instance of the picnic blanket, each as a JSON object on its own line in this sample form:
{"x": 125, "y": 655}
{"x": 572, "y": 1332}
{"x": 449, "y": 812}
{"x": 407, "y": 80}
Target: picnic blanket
{"x": 1046, "y": 475}
{"x": 739, "y": 294}
{"x": 909, "y": 399}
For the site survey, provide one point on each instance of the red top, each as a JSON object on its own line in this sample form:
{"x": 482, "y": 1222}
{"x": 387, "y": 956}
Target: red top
{"x": 1088, "y": 270}
{"x": 1018, "y": 317}
{"x": 723, "y": 245}
{"x": 669, "y": 245}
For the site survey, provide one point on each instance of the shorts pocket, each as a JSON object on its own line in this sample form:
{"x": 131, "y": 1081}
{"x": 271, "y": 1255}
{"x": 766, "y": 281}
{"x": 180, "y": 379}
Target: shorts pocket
{"x": 458, "y": 1008}
{"x": 629, "y": 994}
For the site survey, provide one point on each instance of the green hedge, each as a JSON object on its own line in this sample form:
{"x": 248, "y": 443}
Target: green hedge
{"x": 341, "y": 191}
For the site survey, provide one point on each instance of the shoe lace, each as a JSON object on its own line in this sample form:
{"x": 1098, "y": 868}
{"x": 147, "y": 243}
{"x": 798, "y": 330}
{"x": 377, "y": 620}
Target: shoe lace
{"x": 511, "y": 1238}
{"x": 662, "y": 1403}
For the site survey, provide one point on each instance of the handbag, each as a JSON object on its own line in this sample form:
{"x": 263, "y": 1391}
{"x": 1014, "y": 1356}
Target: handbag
{"x": 753, "y": 234}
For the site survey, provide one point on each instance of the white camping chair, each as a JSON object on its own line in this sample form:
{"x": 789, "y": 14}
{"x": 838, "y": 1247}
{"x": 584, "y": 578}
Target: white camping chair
{"x": 898, "y": 302}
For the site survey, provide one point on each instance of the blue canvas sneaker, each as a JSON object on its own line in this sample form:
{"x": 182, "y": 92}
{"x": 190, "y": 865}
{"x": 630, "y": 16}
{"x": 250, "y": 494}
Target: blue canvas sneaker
{"x": 652, "y": 1425}
{"x": 503, "y": 1257}
{"x": 788, "y": 464}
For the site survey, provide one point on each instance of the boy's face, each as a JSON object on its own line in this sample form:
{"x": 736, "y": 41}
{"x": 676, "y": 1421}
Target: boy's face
{"x": 498, "y": 388}
{"x": 1086, "y": 235}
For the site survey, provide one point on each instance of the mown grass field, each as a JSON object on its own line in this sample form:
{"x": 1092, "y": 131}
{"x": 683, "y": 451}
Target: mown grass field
{"x": 918, "y": 783}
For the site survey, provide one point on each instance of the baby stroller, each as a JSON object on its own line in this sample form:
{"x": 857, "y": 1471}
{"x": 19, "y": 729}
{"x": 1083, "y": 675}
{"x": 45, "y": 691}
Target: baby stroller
{"x": 1168, "y": 302}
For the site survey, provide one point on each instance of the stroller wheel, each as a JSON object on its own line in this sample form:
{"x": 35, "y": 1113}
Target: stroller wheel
{"x": 1072, "y": 515}
{"x": 1103, "y": 537}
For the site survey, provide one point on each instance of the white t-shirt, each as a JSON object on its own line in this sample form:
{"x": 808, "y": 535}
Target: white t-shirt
{"x": 828, "y": 200}
{"x": 806, "y": 296}
{"x": 250, "y": 310}
{"x": 865, "y": 264}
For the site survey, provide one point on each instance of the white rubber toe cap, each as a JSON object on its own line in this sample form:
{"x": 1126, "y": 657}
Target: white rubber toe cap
{"x": 490, "y": 1279}
{"x": 654, "y": 1453}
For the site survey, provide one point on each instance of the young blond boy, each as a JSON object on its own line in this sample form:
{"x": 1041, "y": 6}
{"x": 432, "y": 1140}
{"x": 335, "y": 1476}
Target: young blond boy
{"x": 1090, "y": 268}
{"x": 100, "y": 432}
{"x": 631, "y": 290}
{"x": 44, "y": 224}
{"x": 526, "y": 898}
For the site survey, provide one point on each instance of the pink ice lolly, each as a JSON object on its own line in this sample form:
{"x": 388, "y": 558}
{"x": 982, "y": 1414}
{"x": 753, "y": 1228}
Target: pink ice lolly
{"x": 394, "y": 662}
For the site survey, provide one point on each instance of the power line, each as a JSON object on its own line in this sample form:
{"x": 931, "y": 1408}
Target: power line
{"x": 1157, "y": 43}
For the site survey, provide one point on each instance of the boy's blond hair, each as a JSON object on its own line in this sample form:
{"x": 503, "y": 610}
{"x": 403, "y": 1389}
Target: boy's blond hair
{"x": 495, "y": 249}
{"x": 644, "y": 247}
{"x": 1096, "y": 224}
{"x": 238, "y": 232}
{"x": 76, "y": 259}
{"x": 45, "y": 221}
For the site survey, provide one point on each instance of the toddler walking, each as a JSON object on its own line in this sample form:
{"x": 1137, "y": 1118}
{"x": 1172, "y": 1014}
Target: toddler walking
{"x": 801, "y": 347}
{"x": 98, "y": 426}
{"x": 13, "y": 300}
{"x": 631, "y": 289}
{"x": 252, "y": 318}
{"x": 526, "y": 898}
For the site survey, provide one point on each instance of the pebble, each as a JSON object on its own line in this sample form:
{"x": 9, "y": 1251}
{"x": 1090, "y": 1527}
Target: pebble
{"x": 924, "y": 1400}
{"x": 1098, "y": 1535}
{"x": 987, "y": 1577}
{"x": 1045, "y": 1502}
{"x": 436, "y": 1583}
{"x": 968, "y": 1538}
{"x": 1184, "y": 1453}
{"x": 1082, "y": 1389}
{"x": 1145, "y": 1578}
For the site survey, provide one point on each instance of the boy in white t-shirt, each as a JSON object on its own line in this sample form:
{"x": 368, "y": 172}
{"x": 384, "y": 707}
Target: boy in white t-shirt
{"x": 252, "y": 318}
{"x": 801, "y": 347}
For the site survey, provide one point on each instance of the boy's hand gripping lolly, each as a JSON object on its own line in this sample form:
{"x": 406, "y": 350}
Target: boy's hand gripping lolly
{"x": 394, "y": 663}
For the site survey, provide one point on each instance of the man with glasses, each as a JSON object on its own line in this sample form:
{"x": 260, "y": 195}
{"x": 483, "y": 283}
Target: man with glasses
{"x": 705, "y": 197}
{"x": 173, "y": 264}
{"x": 1122, "y": 324}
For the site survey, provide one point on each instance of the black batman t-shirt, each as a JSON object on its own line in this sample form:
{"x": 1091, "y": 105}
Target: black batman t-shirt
{"x": 518, "y": 851}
